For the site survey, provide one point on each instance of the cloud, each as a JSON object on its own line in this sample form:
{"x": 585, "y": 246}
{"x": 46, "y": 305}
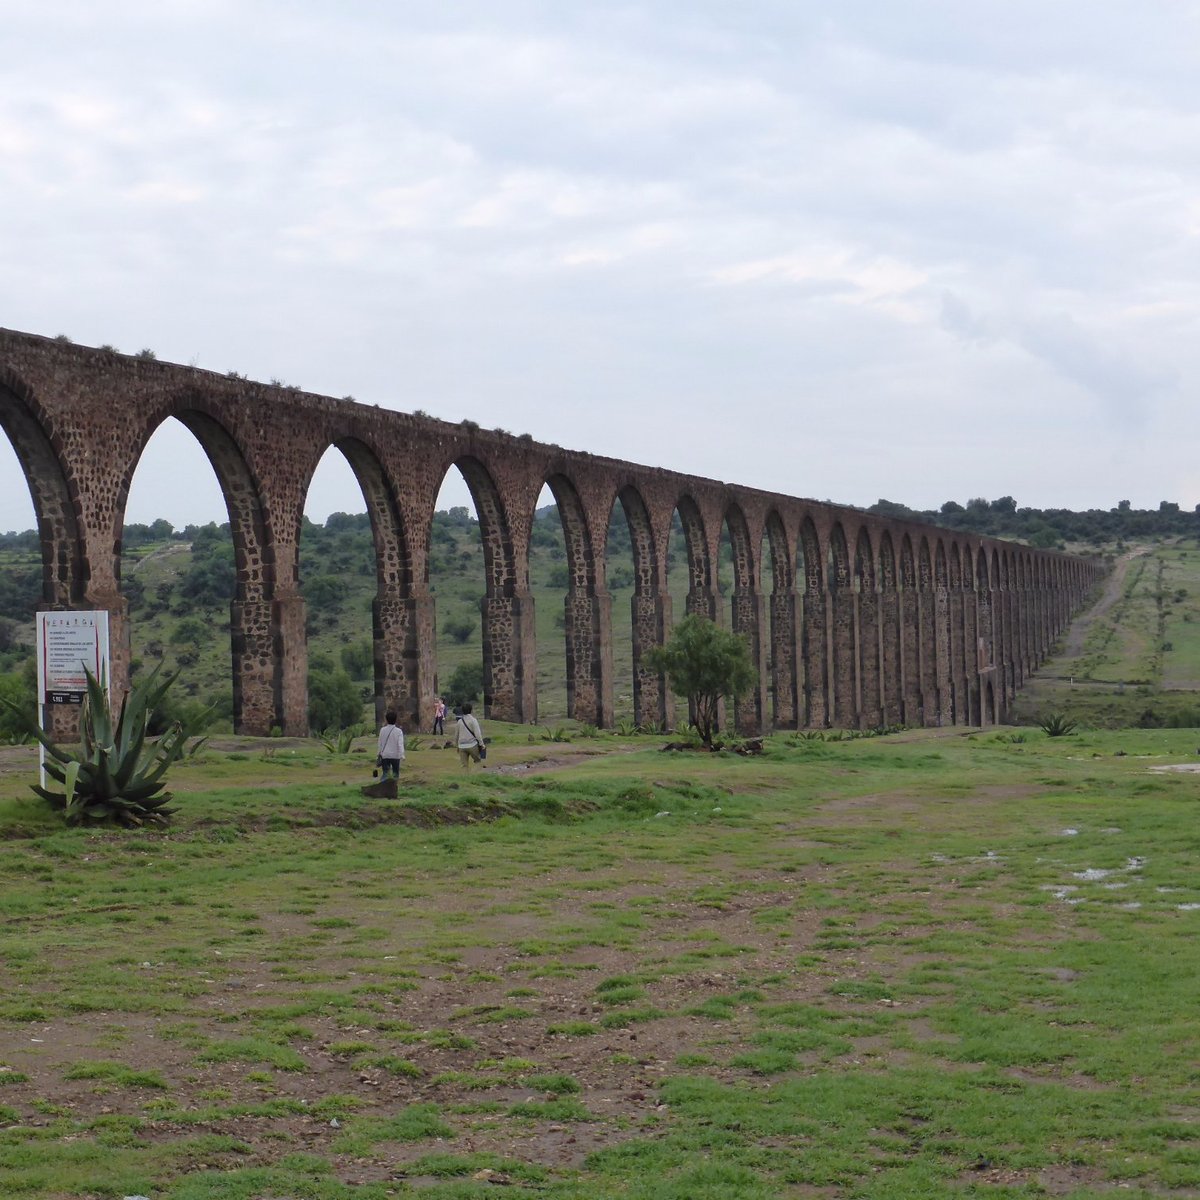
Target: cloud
{"x": 899, "y": 239}
{"x": 1124, "y": 387}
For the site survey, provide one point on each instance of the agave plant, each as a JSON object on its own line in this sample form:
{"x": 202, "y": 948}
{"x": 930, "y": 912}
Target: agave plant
{"x": 117, "y": 775}
{"x": 1057, "y": 725}
{"x": 340, "y": 741}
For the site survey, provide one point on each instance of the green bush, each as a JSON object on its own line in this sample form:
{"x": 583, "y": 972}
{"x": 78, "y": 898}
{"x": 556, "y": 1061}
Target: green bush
{"x": 334, "y": 700}
{"x": 466, "y": 684}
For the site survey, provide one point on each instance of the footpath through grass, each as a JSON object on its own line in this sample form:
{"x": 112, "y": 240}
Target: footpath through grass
{"x": 930, "y": 965}
{"x": 1134, "y": 658}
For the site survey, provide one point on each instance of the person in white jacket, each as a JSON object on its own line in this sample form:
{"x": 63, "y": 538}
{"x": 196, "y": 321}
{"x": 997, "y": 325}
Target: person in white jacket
{"x": 470, "y": 738}
{"x": 391, "y": 747}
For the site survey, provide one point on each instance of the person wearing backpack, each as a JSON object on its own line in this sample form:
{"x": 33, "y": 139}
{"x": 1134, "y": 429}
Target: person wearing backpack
{"x": 470, "y": 739}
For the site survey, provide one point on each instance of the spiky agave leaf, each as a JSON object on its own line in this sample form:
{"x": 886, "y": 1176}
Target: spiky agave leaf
{"x": 119, "y": 774}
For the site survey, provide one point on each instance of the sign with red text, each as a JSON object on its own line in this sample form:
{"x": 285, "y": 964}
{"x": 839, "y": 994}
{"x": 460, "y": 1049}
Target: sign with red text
{"x": 68, "y": 645}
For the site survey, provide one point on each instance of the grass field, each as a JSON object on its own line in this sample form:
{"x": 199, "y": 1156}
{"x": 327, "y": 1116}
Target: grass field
{"x": 930, "y": 965}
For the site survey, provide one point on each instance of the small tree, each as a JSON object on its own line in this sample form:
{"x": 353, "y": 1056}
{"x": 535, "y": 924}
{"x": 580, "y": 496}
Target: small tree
{"x": 465, "y": 684}
{"x": 704, "y": 662}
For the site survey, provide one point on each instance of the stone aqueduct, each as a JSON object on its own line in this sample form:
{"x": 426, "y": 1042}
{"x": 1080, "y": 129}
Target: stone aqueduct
{"x": 891, "y": 622}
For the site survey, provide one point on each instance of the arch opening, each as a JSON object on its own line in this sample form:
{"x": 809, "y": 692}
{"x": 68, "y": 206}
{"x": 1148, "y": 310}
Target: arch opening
{"x": 356, "y": 581}
{"x": 640, "y": 617}
{"x": 184, "y": 584}
{"x": 483, "y": 633}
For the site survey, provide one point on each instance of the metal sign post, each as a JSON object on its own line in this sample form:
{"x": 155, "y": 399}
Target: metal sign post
{"x": 67, "y": 643}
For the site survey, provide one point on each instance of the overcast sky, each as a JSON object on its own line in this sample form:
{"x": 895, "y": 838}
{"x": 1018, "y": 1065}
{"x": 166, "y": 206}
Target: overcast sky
{"x": 846, "y": 250}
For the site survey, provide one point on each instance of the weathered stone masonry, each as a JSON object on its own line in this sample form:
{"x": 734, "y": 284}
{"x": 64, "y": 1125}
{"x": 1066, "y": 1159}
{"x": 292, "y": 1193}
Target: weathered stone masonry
{"x": 868, "y": 620}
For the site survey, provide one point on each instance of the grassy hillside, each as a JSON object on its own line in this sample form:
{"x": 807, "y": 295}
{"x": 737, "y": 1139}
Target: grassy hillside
{"x": 179, "y": 585}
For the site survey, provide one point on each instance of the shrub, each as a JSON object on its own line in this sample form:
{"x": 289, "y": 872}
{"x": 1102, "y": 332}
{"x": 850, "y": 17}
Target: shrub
{"x": 704, "y": 662}
{"x": 459, "y": 629}
{"x": 465, "y": 684}
{"x": 334, "y": 700}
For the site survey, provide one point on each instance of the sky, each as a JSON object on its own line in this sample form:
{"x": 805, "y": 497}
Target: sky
{"x": 848, "y": 250}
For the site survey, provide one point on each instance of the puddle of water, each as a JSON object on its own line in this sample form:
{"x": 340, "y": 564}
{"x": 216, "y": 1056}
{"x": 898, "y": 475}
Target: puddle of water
{"x": 1185, "y": 767}
{"x": 1116, "y": 884}
{"x": 1069, "y": 833}
{"x": 1091, "y": 874}
{"x": 1110, "y": 829}
{"x": 1187, "y": 907}
{"x": 1136, "y": 863}
{"x": 1132, "y": 904}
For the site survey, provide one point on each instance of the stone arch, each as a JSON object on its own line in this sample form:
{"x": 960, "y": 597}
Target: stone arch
{"x": 701, "y": 596}
{"x": 868, "y": 700}
{"x": 587, "y": 621}
{"x": 258, "y": 669}
{"x": 506, "y": 622}
{"x": 744, "y": 576}
{"x": 240, "y": 488}
{"x": 64, "y": 565}
{"x": 844, "y": 644}
{"x": 499, "y": 558}
{"x": 402, "y": 657}
{"x": 581, "y": 558}
{"x": 650, "y": 611}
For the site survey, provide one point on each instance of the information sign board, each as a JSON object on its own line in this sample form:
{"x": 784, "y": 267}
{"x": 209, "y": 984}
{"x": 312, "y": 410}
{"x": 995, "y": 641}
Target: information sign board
{"x": 67, "y": 643}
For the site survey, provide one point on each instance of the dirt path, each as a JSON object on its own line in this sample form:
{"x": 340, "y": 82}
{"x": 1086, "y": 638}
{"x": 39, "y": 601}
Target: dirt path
{"x": 1114, "y": 586}
{"x": 172, "y": 550}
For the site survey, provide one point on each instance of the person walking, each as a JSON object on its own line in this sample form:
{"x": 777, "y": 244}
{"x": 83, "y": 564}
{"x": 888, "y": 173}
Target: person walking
{"x": 391, "y": 747}
{"x": 439, "y": 716}
{"x": 470, "y": 739}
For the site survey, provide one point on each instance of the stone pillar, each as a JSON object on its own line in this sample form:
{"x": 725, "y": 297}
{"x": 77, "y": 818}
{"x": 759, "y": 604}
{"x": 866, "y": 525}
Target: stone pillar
{"x": 815, "y": 652}
{"x": 910, "y": 656}
{"x": 957, "y": 712}
{"x": 653, "y": 703}
{"x": 867, "y": 640}
{"x": 892, "y": 669}
{"x": 941, "y": 609}
{"x": 747, "y": 619}
{"x": 972, "y": 700}
{"x": 588, "y": 626}
{"x": 785, "y": 660}
{"x": 509, "y": 662}
{"x": 703, "y": 602}
{"x": 404, "y": 635}
{"x": 291, "y": 659}
{"x": 252, "y": 638}
{"x": 927, "y": 612}
{"x": 843, "y": 655}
